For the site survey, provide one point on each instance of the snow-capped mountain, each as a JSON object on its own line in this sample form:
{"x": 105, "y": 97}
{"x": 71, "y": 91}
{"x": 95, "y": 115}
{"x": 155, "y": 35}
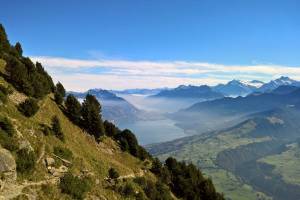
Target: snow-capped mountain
{"x": 255, "y": 83}
{"x": 283, "y": 80}
{"x": 237, "y": 88}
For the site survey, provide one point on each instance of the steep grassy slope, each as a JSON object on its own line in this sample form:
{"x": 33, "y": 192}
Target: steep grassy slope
{"x": 89, "y": 157}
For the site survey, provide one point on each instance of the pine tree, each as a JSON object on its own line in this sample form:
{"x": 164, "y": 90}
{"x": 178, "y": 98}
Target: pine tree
{"x": 91, "y": 116}
{"x": 19, "y": 49}
{"x": 4, "y": 43}
{"x": 60, "y": 89}
{"x": 58, "y": 98}
{"x": 73, "y": 108}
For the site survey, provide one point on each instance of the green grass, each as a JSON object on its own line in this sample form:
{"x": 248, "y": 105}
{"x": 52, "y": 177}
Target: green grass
{"x": 203, "y": 153}
{"x": 286, "y": 164}
{"x": 87, "y": 154}
{"x": 231, "y": 186}
{"x": 2, "y": 66}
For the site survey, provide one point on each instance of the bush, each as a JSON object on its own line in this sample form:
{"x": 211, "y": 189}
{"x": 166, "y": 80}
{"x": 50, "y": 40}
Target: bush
{"x": 74, "y": 186}
{"x": 127, "y": 190}
{"x": 46, "y": 129}
{"x": 3, "y": 94}
{"x": 7, "y": 133}
{"x": 25, "y": 161}
{"x": 56, "y": 128}
{"x": 7, "y": 142}
{"x": 113, "y": 174}
{"x": 63, "y": 152}
{"x": 6, "y": 125}
{"x": 29, "y": 107}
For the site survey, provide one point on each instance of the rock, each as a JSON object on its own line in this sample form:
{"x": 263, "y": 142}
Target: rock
{"x": 63, "y": 169}
{"x": 58, "y": 172}
{"x": 7, "y": 165}
{"x": 25, "y": 144}
{"x": 97, "y": 181}
{"x": 50, "y": 161}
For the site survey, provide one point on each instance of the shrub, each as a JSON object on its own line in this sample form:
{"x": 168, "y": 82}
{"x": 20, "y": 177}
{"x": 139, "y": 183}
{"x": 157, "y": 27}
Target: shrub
{"x": 29, "y": 107}
{"x": 56, "y": 128}
{"x": 46, "y": 129}
{"x": 25, "y": 161}
{"x": 7, "y": 132}
{"x": 6, "y": 125}
{"x": 7, "y": 142}
{"x": 3, "y": 94}
{"x": 127, "y": 190}
{"x": 74, "y": 186}
{"x": 113, "y": 174}
{"x": 63, "y": 152}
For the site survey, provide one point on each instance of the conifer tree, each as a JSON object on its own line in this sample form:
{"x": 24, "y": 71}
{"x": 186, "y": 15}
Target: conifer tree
{"x": 4, "y": 43}
{"x": 73, "y": 108}
{"x": 19, "y": 49}
{"x": 60, "y": 89}
{"x": 91, "y": 117}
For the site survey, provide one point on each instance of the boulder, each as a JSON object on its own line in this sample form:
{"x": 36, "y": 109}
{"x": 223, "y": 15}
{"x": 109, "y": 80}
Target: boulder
{"x": 49, "y": 161}
{"x": 7, "y": 165}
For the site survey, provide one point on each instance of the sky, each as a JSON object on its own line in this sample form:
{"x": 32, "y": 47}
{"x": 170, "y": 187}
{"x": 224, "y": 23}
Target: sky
{"x": 153, "y": 43}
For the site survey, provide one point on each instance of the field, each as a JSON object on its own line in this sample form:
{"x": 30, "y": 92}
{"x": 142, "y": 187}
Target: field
{"x": 286, "y": 164}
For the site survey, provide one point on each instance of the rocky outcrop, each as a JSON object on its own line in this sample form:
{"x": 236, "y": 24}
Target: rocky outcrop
{"x": 7, "y": 165}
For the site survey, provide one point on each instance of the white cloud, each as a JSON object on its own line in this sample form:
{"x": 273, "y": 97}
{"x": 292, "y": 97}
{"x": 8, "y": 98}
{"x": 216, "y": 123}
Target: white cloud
{"x": 121, "y": 74}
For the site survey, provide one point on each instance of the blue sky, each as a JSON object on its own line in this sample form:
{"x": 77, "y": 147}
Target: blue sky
{"x": 130, "y": 43}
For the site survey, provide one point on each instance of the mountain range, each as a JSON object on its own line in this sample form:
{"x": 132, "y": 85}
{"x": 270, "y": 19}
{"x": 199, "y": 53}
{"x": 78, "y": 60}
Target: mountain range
{"x": 203, "y": 92}
{"x": 233, "y": 88}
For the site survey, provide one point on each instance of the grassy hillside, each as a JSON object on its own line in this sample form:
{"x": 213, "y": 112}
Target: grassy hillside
{"x": 203, "y": 151}
{"x": 256, "y": 159}
{"x": 88, "y": 156}
{"x": 286, "y": 164}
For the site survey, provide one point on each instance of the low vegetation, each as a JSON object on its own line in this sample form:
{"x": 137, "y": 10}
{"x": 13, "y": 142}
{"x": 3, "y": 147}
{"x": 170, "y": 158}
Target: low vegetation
{"x": 29, "y": 107}
{"x": 63, "y": 152}
{"x": 74, "y": 186}
{"x": 25, "y": 161}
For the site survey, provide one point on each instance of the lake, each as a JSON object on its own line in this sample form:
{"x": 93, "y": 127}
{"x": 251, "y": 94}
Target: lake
{"x": 148, "y": 132}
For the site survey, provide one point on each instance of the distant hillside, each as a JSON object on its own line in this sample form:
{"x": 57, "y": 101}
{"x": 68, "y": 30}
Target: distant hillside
{"x": 257, "y": 157}
{"x": 221, "y": 113}
{"x": 184, "y": 92}
{"x": 114, "y": 108}
{"x": 284, "y": 89}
